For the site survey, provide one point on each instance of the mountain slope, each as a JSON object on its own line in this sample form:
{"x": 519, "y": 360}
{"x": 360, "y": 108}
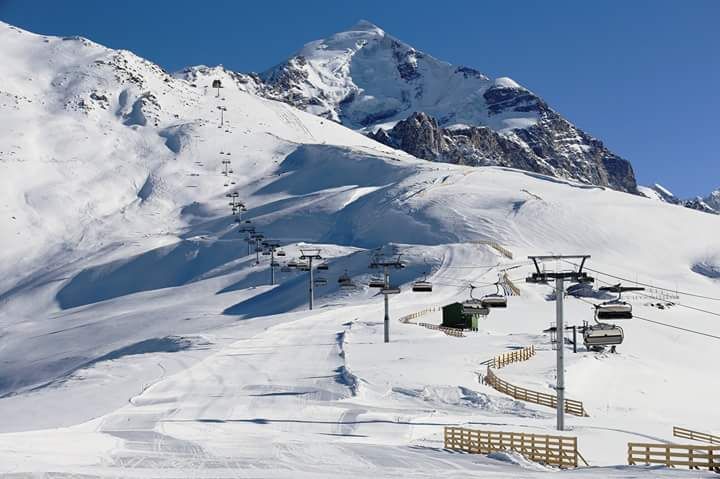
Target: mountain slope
{"x": 367, "y": 79}
{"x": 139, "y": 336}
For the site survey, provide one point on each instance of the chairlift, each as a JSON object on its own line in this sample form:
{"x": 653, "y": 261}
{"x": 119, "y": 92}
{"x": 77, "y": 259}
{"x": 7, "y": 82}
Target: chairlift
{"x": 423, "y": 286}
{"x": 615, "y": 308}
{"x": 495, "y": 300}
{"x": 323, "y": 266}
{"x": 474, "y": 305}
{"x": 285, "y": 269}
{"x": 266, "y": 252}
{"x": 344, "y": 280}
{"x": 280, "y": 253}
{"x": 274, "y": 264}
{"x": 390, "y": 290}
{"x": 292, "y": 264}
{"x": 320, "y": 281}
{"x": 602, "y": 334}
{"x": 376, "y": 282}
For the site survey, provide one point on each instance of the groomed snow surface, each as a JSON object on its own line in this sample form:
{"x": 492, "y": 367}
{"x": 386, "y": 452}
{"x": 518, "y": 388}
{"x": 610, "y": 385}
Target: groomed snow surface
{"x": 140, "y": 339}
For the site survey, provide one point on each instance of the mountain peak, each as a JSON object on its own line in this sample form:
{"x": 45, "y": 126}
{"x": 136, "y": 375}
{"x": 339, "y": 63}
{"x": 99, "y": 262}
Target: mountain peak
{"x": 366, "y": 26}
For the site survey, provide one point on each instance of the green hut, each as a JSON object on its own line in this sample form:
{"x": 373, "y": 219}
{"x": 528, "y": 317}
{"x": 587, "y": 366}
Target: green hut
{"x": 453, "y": 317}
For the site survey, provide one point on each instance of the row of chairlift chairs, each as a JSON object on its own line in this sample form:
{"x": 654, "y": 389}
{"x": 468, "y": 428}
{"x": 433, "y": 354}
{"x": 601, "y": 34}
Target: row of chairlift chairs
{"x": 601, "y": 334}
{"x": 595, "y": 336}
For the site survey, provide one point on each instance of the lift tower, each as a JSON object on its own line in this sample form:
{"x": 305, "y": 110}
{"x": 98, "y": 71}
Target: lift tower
{"x": 575, "y": 276}
{"x": 309, "y": 254}
{"x": 386, "y": 291}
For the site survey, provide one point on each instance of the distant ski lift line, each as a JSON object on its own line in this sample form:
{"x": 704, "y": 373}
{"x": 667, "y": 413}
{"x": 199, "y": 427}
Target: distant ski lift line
{"x": 658, "y": 322}
{"x": 649, "y": 285}
{"x": 674, "y": 302}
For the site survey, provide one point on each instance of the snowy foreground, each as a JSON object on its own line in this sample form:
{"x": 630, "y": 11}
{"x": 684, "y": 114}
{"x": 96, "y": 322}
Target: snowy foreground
{"x": 139, "y": 339}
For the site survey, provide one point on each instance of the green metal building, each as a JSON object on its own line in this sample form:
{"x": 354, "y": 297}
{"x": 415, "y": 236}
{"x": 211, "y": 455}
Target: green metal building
{"x": 453, "y": 317}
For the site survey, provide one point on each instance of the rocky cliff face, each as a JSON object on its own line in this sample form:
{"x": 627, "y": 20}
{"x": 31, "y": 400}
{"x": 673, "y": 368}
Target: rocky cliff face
{"x": 539, "y": 148}
{"x": 709, "y": 204}
{"x": 402, "y": 97}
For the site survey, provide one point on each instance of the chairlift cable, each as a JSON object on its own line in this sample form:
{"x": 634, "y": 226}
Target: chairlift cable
{"x": 678, "y": 327}
{"x": 647, "y": 284}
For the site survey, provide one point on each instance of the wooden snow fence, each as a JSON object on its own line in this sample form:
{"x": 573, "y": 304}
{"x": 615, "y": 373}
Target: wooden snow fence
{"x": 494, "y": 245}
{"x": 502, "y": 360}
{"x": 573, "y": 407}
{"x": 509, "y": 285}
{"x": 456, "y": 332}
{"x": 695, "y": 435}
{"x": 673, "y": 455}
{"x": 559, "y": 451}
{"x": 409, "y": 317}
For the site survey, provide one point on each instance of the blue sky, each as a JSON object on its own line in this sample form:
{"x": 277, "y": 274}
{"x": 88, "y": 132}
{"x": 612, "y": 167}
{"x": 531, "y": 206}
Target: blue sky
{"x": 643, "y": 76}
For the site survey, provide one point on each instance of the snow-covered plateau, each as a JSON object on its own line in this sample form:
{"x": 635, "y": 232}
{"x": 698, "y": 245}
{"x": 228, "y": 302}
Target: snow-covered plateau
{"x": 139, "y": 338}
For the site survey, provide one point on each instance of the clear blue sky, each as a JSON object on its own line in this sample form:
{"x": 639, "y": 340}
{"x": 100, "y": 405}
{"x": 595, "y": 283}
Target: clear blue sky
{"x": 643, "y": 76}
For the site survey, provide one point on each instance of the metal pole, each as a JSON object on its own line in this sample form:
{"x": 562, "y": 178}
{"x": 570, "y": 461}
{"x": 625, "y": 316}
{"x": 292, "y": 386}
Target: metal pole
{"x": 272, "y": 266}
{"x": 387, "y": 308}
{"x": 257, "y": 251}
{"x": 311, "y": 283}
{"x": 574, "y": 339}
{"x": 560, "y": 329}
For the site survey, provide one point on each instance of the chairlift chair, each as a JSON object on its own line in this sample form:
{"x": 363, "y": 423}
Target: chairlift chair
{"x": 495, "y": 300}
{"x": 422, "y": 287}
{"x": 602, "y": 334}
{"x": 320, "y": 281}
{"x": 345, "y": 281}
{"x": 474, "y": 305}
{"x": 376, "y": 282}
{"x": 615, "y": 308}
{"x": 292, "y": 264}
{"x": 323, "y": 267}
{"x": 280, "y": 253}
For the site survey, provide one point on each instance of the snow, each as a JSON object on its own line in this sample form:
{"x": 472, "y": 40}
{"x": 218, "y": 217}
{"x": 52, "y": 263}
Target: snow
{"x": 506, "y": 82}
{"x": 365, "y": 78}
{"x": 139, "y": 339}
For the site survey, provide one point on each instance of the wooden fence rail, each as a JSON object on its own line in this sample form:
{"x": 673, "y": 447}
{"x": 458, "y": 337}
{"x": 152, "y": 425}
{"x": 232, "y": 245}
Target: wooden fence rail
{"x": 671, "y": 455}
{"x": 507, "y": 282}
{"x": 502, "y": 360}
{"x": 456, "y": 332}
{"x": 409, "y": 317}
{"x": 573, "y": 407}
{"x": 695, "y": 435}
{"x": 560, "y": 451}
{"x": 503, "y": 251}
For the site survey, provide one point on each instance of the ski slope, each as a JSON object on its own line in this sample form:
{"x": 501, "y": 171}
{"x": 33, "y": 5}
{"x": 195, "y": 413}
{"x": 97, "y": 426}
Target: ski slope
{"x": 140, "y": 339}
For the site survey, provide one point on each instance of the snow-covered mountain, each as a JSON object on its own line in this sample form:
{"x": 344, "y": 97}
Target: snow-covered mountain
{"x": 369, "y": 80}
{"x": 708, "y": 204}
{"x": 139, "y": 338}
